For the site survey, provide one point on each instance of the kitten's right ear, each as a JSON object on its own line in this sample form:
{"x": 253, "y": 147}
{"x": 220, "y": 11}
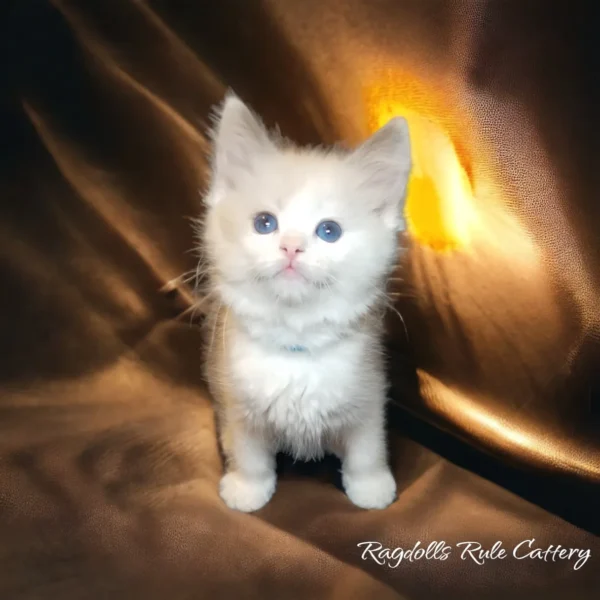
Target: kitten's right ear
{"x": 239, "y": 139}
{"x": 382, "y": 164}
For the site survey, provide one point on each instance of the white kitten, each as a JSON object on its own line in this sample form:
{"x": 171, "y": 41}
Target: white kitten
{"x": 299, "y": 244}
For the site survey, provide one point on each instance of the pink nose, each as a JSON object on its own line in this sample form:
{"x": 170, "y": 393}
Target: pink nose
{"x": 291, "y": 250}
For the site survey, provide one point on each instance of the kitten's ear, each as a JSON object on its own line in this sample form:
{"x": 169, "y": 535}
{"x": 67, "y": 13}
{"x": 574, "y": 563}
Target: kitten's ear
{"x": 239, "y": 139}
{"x": 383, "y": 164}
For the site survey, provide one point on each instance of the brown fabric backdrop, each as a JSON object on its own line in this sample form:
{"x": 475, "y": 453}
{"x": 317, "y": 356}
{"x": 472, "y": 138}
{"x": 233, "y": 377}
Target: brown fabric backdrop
{"x": 108, "y": 460}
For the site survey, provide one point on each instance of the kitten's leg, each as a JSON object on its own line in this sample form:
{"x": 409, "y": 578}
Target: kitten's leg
{"x": 249, "y": 481}
{"x": 366, "y": 476}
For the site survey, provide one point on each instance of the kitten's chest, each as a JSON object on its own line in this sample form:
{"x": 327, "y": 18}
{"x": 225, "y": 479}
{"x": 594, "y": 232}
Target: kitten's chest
{"x": 296, "y": 394}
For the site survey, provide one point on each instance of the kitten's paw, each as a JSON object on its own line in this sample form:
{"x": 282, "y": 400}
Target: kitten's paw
{"x": 246, "y": 494}
{"x": 370, "y": 490}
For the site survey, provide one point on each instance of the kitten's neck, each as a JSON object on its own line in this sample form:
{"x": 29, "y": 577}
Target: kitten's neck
{"x": 308, "y": 327}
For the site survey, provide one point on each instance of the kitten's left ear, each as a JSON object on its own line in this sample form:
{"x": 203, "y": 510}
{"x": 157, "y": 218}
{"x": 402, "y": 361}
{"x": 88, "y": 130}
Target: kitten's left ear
{"x": 383, "y": 164}
{"x": 239, "y": 139}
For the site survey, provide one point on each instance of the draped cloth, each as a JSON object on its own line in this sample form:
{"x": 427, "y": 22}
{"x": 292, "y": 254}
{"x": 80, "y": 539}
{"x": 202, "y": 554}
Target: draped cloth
{"x": 109, "y": 465}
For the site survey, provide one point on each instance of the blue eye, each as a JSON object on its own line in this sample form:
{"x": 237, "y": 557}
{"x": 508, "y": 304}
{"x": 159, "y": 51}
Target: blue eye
{"x": 265, "y": 222}
{"x": 329, "y": 231}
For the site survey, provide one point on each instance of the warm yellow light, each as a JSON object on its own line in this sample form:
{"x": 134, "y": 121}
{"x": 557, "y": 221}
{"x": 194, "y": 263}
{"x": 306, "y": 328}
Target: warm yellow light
{"x": 439, "y": 208}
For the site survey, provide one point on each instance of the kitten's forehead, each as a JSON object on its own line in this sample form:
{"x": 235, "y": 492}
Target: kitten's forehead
{"x": 302, "y": 186}
{"x": 312, "y": 196}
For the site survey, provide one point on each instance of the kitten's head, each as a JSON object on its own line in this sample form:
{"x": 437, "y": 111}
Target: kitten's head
{"x": 301, "y": 225}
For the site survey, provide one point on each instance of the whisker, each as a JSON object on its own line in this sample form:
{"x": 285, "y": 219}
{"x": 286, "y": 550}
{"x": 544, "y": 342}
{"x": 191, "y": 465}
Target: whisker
{"x": 391, "y": 307}
{"x": 192, "y": 310}
{"x": 172, "y": 284}
{"x": 401, "y": 295}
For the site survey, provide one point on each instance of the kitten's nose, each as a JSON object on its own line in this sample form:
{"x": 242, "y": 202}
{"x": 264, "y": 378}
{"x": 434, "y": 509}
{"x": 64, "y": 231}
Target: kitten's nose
{"x": 291, "y": 248}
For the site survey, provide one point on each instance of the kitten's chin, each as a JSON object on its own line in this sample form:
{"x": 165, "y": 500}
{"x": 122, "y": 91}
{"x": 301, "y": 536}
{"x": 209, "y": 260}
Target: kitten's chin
{"x": 291, "y": 287}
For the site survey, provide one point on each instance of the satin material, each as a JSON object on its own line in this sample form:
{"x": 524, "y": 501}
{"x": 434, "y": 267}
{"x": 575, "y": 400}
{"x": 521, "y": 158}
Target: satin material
{"x": 109, "y": 465}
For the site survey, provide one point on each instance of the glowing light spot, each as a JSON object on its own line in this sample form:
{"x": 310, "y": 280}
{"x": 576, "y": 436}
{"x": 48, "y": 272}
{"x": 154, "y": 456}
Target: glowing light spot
{"x": 439, "y": 209}
{"x": 501, "y": 430}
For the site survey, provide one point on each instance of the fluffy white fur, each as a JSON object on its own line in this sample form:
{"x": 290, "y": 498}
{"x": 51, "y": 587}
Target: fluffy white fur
{"x": 331, "y": 396}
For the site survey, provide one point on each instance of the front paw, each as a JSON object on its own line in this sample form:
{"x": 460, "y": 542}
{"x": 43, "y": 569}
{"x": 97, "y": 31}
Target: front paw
{"x": 245, "y": 493}
{"x": 370, "y": 490}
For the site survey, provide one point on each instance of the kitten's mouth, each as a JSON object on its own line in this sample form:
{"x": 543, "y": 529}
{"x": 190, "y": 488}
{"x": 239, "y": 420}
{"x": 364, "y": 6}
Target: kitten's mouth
{"x": 291, "y": 271}
{"x": 295, "y": 274}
